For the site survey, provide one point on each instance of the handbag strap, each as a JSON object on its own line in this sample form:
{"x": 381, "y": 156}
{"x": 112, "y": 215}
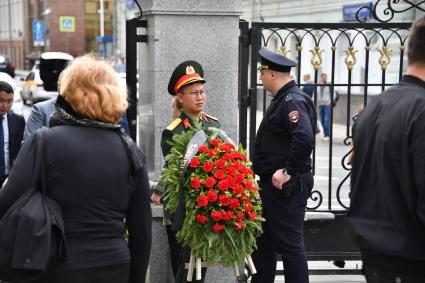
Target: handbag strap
{"x": 40, "y": 170}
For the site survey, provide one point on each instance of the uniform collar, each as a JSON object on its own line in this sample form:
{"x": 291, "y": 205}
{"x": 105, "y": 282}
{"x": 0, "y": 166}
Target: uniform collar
{"x": 285, "y": 89}
{"x": 413, "y": 80}
{"x": 189, "y": 120}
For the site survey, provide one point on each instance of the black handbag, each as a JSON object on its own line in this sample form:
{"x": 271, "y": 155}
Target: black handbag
{"x": 32, "y": 229}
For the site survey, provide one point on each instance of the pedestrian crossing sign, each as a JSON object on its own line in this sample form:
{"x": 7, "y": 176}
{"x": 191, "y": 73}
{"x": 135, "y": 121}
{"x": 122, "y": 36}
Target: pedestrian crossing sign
{"x": 67, "y": 24}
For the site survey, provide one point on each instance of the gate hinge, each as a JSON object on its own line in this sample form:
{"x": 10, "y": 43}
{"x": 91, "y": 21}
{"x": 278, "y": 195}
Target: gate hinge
{"x": 244, "y": 39}
{"x": 246, "y": 100}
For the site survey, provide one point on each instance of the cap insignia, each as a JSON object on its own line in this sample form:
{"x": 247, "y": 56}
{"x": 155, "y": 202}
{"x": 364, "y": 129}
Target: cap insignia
{"x": 190, "y": 70}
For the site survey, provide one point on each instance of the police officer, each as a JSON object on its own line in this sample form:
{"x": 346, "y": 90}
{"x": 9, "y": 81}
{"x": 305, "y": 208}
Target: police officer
{"x": 284, "y": 142}
{"x": 187, "y": 86}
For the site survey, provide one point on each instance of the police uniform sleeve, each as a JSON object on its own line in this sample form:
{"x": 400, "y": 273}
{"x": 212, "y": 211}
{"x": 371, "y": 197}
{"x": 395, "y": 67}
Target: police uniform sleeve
{"x": 167, "y": 135}
{"x": 298, "y": 122}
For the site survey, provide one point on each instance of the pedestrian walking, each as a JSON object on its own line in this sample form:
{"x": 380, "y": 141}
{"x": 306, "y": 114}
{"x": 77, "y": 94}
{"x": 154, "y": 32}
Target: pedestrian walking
{"x": 283, "y": 145}
{"x": 324, "y": 102}
{"x": 186, "y": 85}
{"x": 11, "y": 131}
{"x": 387, "y": 211}
{"x": 98, "y": 177}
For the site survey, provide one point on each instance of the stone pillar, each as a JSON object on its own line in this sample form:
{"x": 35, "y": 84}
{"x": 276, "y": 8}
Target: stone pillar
{"x": 202, "y": 30}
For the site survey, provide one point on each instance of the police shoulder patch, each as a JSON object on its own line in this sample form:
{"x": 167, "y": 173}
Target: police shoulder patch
{"x": 209, "y": 117}
{"x": 174, "y": 124}
{"x": 294, "y": 116}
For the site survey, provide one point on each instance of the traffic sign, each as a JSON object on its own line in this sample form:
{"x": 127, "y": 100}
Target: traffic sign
{"x": 38, "y": 33}
{"x": 104, "y": 39}
{"x": 67, "y": 24}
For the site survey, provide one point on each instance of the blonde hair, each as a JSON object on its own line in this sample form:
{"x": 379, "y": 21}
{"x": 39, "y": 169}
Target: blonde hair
{"x": 94, "y": 89}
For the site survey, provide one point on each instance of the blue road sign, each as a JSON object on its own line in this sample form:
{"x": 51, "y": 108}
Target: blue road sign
{"x": 103, "y": 39}
{"x": 349, "y": 11}
{"x": 38, "y": 33}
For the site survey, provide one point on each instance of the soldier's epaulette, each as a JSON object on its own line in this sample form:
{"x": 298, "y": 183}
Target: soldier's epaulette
{"x": 206, "y": 116}
{"x": 174, "y": 124}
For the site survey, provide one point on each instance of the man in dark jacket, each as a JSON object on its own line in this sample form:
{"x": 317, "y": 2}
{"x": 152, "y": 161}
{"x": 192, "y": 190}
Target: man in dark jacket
{"x": 283, "y": 145}
{"x": 11, "y": 131}
{"x": 387, "y": 212}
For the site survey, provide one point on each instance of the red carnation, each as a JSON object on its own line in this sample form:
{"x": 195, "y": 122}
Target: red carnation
{"x": 237, "y": 190}
{"x": 250, "y": 172}
{"x": 216, "y": 142}
{"x": 231, "y": 146}
{"x": 240, "y": 216}
{"x": 218, "y": 227}
{"x": 202, "y": 201}
{"x": 248, "y": 185}
{"x": 228, "y": 215}
{"x": 195, "y": 183}
{"x": 201, "y": 218}
{"x": 208, "y": 166}
{"x": 219, "y": 174}
{"x": 216, "y": 215}
{"x": 227, "y": 156}
{"x": 239, "y": 178}
{"x": 220, "y": 163}
{"x": 234, "y": 203}
{"x": 212, "y": 196}
{"x": 194, "y": 163}
{"x": 203, "y": 149}
{"x": 224, "y": 200}
{"x": 238, "y": 226}
{"x": 223, "y": 185}
{"x": 231, "y": 170}
{"x": 212, "y": 152}
{"x": 252, "y": 215}
{"x": 210, "y": 182}
{"x": 224, "y": 147}
{"x": 248, "y": 207}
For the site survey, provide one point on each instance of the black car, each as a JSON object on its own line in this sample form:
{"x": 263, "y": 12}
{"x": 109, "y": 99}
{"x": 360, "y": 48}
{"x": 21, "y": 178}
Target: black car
{"x": 6, "y": 66}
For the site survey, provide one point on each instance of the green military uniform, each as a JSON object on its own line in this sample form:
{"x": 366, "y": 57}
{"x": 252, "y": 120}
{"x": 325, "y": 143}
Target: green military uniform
{"x": 186, "y": 73}
{"x": 183, "y": 123}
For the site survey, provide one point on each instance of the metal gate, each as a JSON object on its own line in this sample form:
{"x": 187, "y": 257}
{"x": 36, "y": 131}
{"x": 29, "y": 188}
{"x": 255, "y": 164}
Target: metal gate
{"x": 361, "y": 60}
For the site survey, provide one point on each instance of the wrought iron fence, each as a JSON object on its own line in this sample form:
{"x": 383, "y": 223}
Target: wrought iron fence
{"x": 361, "y": 59}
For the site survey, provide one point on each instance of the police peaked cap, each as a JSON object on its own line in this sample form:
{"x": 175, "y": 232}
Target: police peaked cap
{"x": 274, "y": 61}
{"x": 184, "y": 74}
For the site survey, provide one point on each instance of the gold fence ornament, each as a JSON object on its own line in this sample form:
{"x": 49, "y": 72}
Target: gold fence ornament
{"x": 350, "y": 60}
{"x": 316, "y": 59}
{"x": 385, "y": 58}
{"x": 283, "y": 50}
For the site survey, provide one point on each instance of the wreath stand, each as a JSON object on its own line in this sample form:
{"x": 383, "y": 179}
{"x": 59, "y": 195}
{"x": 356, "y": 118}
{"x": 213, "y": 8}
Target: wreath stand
{"x": 196, "y": 263}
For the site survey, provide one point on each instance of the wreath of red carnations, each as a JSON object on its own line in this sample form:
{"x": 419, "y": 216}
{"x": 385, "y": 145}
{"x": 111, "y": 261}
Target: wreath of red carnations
{"x": 222, "y": 202}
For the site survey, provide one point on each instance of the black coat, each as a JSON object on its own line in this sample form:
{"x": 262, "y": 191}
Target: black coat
{"x": 98, "y": 180}
{"x": 387, "y": 211}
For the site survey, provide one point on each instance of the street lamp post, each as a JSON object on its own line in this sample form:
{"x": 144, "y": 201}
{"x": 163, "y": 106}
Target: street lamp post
{"x": 9, "y": 11}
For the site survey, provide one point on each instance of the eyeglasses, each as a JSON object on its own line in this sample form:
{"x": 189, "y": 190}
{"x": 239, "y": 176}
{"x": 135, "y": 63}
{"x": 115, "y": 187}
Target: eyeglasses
{"x": 195, "y": 93}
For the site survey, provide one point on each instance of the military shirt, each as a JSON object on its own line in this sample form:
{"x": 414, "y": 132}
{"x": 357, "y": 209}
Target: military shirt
{"x": 285, "y": 138}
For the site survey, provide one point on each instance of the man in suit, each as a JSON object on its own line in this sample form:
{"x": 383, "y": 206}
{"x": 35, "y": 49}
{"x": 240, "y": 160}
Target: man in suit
{"x": 11, "y": 131}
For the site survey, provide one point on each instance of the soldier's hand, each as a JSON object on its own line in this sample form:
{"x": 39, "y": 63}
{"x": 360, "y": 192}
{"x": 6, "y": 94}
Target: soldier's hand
{"x": 279, "y": 178}
{"x": 156, "y": 199}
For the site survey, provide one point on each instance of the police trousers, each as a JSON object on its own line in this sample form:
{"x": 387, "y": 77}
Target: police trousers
{"x": 283, "y": 232}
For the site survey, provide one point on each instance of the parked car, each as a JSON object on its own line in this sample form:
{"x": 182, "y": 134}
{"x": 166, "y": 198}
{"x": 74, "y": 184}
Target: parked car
{"x": 18, "y": 104}
{"x": 41, "y": 82}
{"x": 6, "y": 66}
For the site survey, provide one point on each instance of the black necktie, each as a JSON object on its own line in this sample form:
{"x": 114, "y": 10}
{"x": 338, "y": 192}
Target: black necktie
{"x": 2, "y": 163}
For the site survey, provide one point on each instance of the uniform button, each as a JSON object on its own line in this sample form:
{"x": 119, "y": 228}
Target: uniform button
{"x": 397, "y": 280}
{"x": 28, "y": 260}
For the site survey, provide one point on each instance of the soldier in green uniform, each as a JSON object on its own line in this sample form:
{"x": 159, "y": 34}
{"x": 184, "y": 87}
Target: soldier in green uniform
{"x": 187, "y": 86}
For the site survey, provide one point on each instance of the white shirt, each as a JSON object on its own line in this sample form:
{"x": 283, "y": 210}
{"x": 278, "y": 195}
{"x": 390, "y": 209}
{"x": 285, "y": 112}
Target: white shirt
{"x": 6, "y": 144}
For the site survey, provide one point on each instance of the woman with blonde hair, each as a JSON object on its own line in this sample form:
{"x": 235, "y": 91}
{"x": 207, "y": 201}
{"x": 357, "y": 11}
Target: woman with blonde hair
{"x": 98, "y": 177}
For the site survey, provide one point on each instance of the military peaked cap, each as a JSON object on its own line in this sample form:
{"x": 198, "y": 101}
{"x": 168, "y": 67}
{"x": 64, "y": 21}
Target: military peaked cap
{"x": 184, "y": 74}
{"x": 274, "y": 61}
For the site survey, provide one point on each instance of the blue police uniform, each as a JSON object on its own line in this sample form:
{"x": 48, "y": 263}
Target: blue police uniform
{"x": 285, "y": 139}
